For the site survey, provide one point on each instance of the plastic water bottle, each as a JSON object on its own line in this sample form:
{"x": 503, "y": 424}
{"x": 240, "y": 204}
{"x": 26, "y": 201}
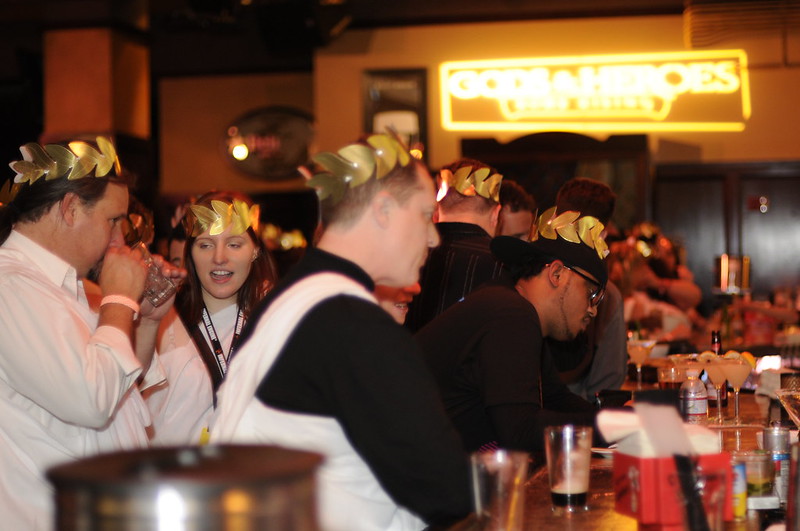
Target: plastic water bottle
{"x": 694, "y": 398}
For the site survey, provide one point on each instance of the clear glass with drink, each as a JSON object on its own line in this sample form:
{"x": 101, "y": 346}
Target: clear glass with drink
{"x": 569, "y": 452}
{"x": 671, "y": 377}
{"x": 638, "y": 352}
{"x": 736, "y": 372}
{"x": 716, "y": 374}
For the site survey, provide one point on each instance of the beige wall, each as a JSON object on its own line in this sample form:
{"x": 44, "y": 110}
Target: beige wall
{"x": 770, "y": 134}
{"x": 194, "y": 114}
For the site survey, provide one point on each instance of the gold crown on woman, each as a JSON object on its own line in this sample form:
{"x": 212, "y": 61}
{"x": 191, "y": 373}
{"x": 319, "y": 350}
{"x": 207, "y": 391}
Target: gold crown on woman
{"x": 220, "y": 216}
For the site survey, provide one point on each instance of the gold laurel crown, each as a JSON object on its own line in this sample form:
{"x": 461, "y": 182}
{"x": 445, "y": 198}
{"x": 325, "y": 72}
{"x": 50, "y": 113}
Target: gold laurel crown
{"x": 220, "y": 216}
{"x": 573, "y": 227}
{"x": 54, "y": 161}
{"x": 355, "y": 164}
{"x": 470, "y": 182}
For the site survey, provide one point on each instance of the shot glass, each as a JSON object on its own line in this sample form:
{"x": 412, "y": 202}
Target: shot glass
{"x": 498, "y": 492}
{"x": 569, "y": 452}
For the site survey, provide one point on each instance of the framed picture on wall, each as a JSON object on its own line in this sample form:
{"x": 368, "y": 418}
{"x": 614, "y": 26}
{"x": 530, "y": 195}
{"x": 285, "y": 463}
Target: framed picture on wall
{"x": 397, "y": 99}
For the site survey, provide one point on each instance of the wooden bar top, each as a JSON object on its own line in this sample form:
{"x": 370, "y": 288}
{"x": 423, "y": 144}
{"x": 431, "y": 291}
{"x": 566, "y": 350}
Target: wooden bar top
{"x": 601, "y": 514}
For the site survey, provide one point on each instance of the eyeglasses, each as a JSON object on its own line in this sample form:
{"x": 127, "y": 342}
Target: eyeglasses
{"x": 597, "y": 295}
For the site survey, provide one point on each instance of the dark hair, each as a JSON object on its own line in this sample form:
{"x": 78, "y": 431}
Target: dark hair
{"x": 587, "y": 196}
{"x": 455, "y": 201}
{"x": 515, "y": 197}
{"x": 529, "y": 268}
{"x": 189, "y": 301}
{"x": 34, "y": 200}
{"x": 401, "y": 183}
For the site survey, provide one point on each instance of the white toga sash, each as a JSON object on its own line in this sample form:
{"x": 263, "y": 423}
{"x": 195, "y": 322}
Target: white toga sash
{"x": 349, "y": 497}
{"x": 256, "y": 357}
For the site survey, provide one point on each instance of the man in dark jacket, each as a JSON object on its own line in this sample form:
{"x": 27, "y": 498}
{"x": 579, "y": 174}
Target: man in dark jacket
{"x": 498, "y": 383}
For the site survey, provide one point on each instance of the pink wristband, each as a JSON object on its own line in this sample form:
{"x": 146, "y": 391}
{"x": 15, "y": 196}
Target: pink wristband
{"x": 123, "y": 300}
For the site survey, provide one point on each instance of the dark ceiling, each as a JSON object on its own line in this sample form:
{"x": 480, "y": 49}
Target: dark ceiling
{"x": 212, "y": 37}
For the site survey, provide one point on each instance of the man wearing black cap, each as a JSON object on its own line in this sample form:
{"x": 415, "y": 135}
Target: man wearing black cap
{"x": 498, "y": 384}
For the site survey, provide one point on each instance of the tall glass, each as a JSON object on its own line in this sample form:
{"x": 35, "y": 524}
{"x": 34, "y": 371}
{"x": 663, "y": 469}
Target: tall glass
{"x": 736, "y": 372}
{"x": 716, "y": 373}
{"x": 569, "y": 453}
{"x": 638, "y": 351}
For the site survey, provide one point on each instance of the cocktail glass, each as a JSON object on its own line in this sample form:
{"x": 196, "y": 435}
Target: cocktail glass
{"x": 736, "y": 372}
{"x": 716, "y": 374}
{"x": 638, "y": 351}
{"x": 790, "y": 400}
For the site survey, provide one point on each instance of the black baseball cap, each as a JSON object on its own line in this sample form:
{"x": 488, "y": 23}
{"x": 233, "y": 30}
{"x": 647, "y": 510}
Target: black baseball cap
{"x": 514, "y": 252}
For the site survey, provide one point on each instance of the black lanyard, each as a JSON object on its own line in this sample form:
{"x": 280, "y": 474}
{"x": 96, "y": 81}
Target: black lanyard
{"x": 219, "y": 354}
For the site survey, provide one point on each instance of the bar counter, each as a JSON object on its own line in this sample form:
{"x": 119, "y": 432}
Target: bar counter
{"x": 601, "y": 514}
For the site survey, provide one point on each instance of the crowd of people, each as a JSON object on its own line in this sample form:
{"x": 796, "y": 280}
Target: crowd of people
{"x": 434, "y": 316}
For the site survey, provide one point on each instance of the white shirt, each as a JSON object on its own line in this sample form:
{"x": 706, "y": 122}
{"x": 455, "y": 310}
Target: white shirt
{"x": 181, "y": 406}
{"x": 67, "y": 386}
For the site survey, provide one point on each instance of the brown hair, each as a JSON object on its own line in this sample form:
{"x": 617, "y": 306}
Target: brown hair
{"x": 587, "y": 196}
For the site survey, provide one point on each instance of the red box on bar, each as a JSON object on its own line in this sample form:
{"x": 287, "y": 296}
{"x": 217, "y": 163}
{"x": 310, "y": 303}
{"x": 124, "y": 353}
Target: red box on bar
{"x": 642, "y": 489}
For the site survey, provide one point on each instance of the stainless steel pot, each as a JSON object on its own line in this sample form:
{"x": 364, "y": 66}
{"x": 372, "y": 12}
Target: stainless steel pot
{"x": 185, "y": 489}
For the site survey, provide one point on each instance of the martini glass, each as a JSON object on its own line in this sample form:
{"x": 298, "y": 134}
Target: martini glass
{"x": 736, "y": 372}
{"x": 790, "y": 400}
{"x": 638, "y": 351}
{"x": 716, "y": 373}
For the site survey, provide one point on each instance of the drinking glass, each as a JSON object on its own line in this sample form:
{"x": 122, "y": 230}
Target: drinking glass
{"x": 736, "y": 372}
{"x": 498, "y": 488}
{"x": 638, "y": 351}
{"x": 569, "y": 452}
{"x": 716, "y": 374}
{"x": 790, "y": 400}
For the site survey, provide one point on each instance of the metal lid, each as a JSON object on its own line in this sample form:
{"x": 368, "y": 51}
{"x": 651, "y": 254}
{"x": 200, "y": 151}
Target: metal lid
{"x": 201, "y": 468}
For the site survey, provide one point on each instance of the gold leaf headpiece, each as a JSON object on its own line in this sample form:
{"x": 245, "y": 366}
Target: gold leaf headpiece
{"x": 355, "y": 164}
{"x": 220, "y": 216}
{"x": 572, "y": 227}
{"x": 54, "y": 161}
{"x": 470, "y": 181}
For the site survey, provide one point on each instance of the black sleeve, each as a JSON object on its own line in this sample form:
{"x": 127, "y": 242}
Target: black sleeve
{"x": 521, "y": 388}
{"x": 370, "y": 375}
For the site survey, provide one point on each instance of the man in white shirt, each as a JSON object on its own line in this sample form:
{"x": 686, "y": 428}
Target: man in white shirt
{"x": 67, "y": 374}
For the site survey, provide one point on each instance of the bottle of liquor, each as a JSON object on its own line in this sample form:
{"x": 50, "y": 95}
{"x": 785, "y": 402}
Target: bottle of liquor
{"x": 716, "y": 343}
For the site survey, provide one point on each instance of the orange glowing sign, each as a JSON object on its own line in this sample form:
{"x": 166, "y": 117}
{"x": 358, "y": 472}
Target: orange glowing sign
{"x": 676, "y": 91}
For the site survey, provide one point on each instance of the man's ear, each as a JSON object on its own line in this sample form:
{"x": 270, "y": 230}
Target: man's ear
{"x": 554, "y": 272}
{"x": 381, "y": 208}
{"x": 496, "y": 215}
{"x": 68, "y": 208}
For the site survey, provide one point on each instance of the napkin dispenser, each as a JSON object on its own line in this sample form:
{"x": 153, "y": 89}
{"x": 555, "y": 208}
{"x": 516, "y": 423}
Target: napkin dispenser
{"x": 642, "y": 488}
{"x": 643, "y": 472}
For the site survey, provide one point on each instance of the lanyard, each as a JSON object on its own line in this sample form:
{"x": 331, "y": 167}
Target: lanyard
{"x": 219, "y": 354}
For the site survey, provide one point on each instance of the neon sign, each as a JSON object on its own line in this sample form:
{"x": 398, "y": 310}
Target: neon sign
{"x": 677, "y": 91}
